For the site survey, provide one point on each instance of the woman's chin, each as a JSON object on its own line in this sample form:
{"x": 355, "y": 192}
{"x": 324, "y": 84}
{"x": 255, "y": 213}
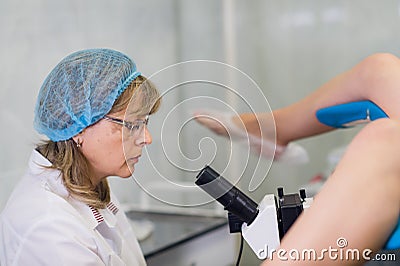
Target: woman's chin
{"x": 126, "y": 172}
{"x": 129, "y": 171}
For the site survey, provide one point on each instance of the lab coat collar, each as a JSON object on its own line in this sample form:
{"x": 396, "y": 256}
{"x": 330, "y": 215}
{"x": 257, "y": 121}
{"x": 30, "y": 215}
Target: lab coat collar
{"x": 37, "y": 162}
{"x": 49, "y": 178}
{"x": 52, "y": 181}
{"x": 106, "y": 215}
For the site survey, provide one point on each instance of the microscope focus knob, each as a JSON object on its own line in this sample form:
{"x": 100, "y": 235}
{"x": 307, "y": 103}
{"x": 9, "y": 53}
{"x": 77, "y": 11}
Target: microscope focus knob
{"x": 280, "y": 192}
{"x": 303, "y": 194}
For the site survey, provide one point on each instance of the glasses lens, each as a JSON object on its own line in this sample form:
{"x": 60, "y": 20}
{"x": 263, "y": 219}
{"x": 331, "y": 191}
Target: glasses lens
{"x": 137, "y": 127}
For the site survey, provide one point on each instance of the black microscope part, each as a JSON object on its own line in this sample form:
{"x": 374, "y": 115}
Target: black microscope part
{"x": 227, "y": 194}
{"x": 241, "y": 209}
{"x": 289, "y": 209}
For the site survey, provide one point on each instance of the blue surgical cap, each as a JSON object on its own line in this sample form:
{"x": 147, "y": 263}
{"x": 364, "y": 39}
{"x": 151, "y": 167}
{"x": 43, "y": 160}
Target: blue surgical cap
{"x": 80, "y": 91}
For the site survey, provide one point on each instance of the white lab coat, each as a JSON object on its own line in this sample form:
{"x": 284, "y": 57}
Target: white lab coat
{"x": 41, "y": 225}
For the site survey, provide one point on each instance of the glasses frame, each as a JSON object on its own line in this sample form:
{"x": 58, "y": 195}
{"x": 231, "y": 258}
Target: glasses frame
{"x": 133, "y": 127}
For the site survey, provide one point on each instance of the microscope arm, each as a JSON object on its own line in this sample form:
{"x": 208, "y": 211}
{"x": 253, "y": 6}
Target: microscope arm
{"x": 274, "y": 219}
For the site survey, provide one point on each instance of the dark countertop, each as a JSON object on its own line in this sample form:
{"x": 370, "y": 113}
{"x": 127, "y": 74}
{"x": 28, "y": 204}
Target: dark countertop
{"x": 171, "y": 230}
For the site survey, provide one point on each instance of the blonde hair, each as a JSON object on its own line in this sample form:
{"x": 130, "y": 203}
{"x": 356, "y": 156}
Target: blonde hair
{"x": 65, "y": 156}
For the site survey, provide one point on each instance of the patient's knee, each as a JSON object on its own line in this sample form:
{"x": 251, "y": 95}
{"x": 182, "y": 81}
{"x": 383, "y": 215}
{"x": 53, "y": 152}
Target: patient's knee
{"x": 378, "y": 141}
{"x": 382, "y": 130}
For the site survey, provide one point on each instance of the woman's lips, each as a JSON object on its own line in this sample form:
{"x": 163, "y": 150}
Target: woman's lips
{"x": 134, "y": 159}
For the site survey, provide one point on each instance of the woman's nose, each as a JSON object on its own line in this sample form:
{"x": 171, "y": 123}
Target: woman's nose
{"x": 144, "y": 138}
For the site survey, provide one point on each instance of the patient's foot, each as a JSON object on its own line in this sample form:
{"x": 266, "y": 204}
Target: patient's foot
{"x": 258, "y": 132}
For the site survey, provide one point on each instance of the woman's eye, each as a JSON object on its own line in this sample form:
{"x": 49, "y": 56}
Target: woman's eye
{"x": 135, "y": 127}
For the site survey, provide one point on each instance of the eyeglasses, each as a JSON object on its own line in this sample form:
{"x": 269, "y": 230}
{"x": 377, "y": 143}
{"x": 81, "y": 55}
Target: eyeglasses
{"x": 135, "y": 128}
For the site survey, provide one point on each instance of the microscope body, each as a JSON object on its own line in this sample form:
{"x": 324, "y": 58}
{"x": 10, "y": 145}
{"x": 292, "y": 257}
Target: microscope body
{"x": 274, "y": 219}
{"x": 263, "y": 234}
{"x": 262, "y": 225}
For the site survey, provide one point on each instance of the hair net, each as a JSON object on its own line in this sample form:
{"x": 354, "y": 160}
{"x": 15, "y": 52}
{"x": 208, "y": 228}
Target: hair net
{"x": 80, "y": 90}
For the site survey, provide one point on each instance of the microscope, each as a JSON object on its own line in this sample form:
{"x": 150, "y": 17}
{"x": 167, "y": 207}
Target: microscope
{"x": 262, "y": 225}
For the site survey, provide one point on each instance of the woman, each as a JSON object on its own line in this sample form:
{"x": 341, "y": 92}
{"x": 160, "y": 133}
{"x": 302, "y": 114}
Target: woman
{"x": 361, "y": 200}
{"x": 62, "y": 211}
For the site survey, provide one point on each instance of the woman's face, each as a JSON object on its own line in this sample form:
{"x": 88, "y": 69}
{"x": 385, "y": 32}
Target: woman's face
{"x": 103, "y": 145}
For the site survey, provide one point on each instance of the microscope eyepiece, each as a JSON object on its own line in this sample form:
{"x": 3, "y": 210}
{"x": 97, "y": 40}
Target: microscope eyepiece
{"x": 227, "y": 194}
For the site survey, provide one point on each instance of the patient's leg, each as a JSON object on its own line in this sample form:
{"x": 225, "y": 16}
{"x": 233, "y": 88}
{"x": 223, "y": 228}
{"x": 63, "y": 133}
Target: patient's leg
{"x": 360, "y": 201}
